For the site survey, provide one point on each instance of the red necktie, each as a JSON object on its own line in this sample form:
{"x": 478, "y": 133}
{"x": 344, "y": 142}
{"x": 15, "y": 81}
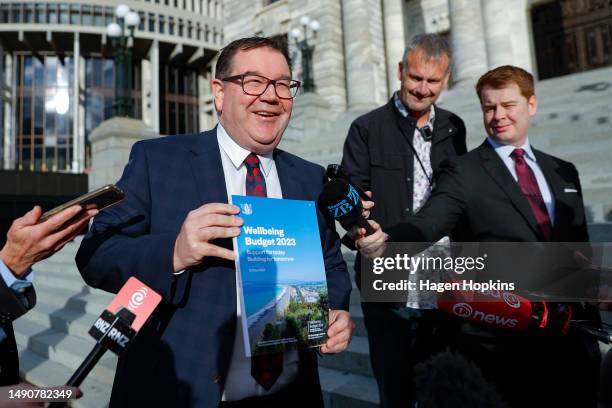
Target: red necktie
{"x": 265, "y": 368}
{"x": 529, "y": 186}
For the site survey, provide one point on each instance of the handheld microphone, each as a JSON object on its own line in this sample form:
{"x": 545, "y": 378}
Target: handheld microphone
{"x": 334, "y": 171}
{"x": 506, "y": 310}
{"x": 116, "y": 326}
{"x": 341, "y": 200}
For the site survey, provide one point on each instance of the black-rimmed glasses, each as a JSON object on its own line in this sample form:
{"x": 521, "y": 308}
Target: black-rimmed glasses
{"x": 256, "y": 85}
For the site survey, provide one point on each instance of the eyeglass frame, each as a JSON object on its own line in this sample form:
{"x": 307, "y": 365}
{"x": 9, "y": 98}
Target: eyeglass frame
{"x": 270, "y": 81}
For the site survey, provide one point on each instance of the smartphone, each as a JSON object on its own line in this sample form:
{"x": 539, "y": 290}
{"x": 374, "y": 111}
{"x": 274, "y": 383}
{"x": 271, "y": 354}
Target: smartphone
{"x": 100, "y": 199}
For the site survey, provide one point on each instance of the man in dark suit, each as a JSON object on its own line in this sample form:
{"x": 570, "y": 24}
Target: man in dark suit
{"x": 507, "y": 191}
{"x": 28, "y": 242}
{"x": 173, "y": 232}
{"x": 394, "y": 151}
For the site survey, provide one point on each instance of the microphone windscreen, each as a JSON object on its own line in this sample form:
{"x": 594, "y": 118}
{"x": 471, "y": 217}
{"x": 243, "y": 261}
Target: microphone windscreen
{"x": 341, "y": 201}
{"x": 448, "y": 380}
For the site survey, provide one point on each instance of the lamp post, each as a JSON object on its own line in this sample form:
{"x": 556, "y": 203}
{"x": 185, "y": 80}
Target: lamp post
{"x": 129, "y": 20}
{"x": 306, "y": 50}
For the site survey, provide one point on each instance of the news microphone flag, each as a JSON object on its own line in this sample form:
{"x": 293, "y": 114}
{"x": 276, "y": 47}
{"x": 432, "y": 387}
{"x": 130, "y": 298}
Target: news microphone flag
{"x": 125, "y": 315}
{"x": 117, "y": 326}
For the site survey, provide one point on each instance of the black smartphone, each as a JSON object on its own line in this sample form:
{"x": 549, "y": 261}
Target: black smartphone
{"x": 100, "y": 199}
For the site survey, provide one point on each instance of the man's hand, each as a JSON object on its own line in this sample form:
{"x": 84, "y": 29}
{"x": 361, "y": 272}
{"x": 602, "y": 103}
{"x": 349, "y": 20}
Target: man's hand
{"x": 367, "y": 206}
{"x": 371, "y": 246}
{"x": 339, "y": 333}
{"x": 28, "y": 242}
{"x": 203, "y": 225}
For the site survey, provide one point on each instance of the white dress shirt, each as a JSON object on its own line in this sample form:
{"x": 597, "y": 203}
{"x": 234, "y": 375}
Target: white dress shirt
{"x": 239, "y": 383}
{"x": 504, "y": 152}
{"x": 8, "y": 276}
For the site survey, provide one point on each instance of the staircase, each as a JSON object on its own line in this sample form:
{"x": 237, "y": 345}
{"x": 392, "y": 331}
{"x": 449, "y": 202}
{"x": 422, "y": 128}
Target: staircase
{"x": 52, "y": 337}
{"x": 346, "y": 378}
{"x": 52, "y": 340}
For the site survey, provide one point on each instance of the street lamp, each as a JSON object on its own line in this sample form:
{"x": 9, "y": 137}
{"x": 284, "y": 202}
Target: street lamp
{"x": 306, "y": 50}
{"x": 123, "y": 57}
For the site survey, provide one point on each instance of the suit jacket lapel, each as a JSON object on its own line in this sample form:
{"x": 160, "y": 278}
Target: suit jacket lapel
{"x": 498, "y": 171}
{"x": 285, "y": 169}
{"x": 208, "y": 169}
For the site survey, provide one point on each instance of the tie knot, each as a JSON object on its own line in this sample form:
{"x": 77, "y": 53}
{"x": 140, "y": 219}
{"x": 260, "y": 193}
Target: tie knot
{"x": 518, "y": 153}
{"x": 252, "y": 161}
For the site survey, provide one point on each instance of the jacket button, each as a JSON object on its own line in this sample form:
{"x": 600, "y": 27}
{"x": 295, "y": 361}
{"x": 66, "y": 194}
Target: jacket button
{"x": 408, "y": 179}
{"x": 407, "y": 209}
{"x": 216, "y": 379}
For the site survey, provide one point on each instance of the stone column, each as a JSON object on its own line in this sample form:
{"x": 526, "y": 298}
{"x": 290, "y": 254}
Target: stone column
{"x": 467, "y": 38}
{"x": 497, "y": 33}
{"x": 155, "y": 91}
{"x": 507, "y": 38}
{"x": 78, "y": 138}
{"x": 6, "y": 111}
{"x": 393, "y": 19}
{"x": 206, "y": 107}
{"x": 358, "y": 56}
{"x": 111, "y": 143}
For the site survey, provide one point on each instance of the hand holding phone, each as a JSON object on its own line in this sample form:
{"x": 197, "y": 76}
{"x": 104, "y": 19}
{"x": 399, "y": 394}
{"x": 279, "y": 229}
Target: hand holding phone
{"x": 29, "y": 240}
{"x": 98, "y": 199}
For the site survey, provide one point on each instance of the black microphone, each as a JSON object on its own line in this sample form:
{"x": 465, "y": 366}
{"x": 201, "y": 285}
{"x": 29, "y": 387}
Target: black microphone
{"x": 116, "y": 327}
{"x": 448, "y": 379}
{"x": 334, "y": 171}
{"x": 341, "y": 200}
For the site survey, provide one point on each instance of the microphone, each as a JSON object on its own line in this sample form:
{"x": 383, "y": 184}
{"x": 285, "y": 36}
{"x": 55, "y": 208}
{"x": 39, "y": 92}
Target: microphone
{"x": 447, "y": 379}
{"x": 116, "y": 326}
{"x": 341, "y": 200}
{"x": 505, "y": 310}
{"x": 334, "y": 171}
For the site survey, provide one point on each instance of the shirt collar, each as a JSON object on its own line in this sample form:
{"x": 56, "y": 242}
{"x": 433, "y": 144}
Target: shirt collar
{"x": 401, "y": 108}
{"x": 237, "y": 153}
{"x": 504, "y": 150}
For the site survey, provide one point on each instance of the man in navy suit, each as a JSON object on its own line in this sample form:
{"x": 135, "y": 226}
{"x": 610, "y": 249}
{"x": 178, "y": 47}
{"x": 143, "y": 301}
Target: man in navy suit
{"x": 173, "y": 231}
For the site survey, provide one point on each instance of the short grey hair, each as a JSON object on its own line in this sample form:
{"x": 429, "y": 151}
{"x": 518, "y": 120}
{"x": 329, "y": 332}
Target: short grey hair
{"x": 433, "y": 45}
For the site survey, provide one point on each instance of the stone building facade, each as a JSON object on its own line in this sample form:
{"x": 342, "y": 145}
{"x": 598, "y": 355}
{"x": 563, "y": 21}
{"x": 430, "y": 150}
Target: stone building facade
{"x": 56, "y": 74}
{"x": 566, "y": 44}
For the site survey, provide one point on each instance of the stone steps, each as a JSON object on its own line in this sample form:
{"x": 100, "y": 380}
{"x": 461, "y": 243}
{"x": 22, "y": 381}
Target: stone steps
{"x": 43, "y": 372}
{"x": 355, "y": 359}
{"x": 348, "y": 390}
{"x": 69, "y": 350}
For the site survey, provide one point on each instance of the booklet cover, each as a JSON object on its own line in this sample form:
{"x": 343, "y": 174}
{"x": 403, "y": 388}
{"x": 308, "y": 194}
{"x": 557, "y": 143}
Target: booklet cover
{"x": 281, "y": 274}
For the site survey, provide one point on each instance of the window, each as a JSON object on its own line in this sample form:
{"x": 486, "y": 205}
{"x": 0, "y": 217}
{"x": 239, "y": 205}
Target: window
{"x": 41, "y": 13}
{"x": 29, "y": 13}
{"x": 4, "y": 13}
{"x": 151, "y": 23}
{"x": 98, "y": 16}
{"x": 63, "y": 14}
{"x": 75, "y": 14}
{"x": 44, "y": 119}
{"x": 178, "y": 100}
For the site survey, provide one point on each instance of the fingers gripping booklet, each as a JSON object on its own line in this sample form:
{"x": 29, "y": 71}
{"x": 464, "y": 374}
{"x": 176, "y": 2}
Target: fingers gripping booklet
{"x": 281, "y": 275}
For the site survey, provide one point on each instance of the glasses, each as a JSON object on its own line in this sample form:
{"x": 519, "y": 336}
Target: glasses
{"x": 256, "y": 85}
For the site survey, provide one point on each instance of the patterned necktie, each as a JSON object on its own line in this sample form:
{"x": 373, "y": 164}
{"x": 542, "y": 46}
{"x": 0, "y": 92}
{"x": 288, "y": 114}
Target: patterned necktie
{"x": 255, "y": 182}
{"x": 265, "y": 368}
{"x": 529, "y": 186}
